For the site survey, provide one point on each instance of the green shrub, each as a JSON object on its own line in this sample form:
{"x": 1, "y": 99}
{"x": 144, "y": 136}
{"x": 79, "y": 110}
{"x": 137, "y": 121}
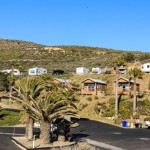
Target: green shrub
{"x": 89, "y": 98}
{"x": 147, "y": 119}
{"x": 136, "y": 116}
{"x": 96, "y": 97}
{"x": 9, "y": 118}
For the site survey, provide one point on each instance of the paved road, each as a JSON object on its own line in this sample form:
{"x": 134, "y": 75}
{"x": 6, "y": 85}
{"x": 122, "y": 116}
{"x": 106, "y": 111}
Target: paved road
{"x": 130, "y": 139}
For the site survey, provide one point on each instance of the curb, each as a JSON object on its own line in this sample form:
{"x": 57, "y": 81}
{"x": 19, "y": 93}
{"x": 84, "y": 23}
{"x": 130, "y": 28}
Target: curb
{"x": 43, "y": 148}
{"x": 102, "y": 145}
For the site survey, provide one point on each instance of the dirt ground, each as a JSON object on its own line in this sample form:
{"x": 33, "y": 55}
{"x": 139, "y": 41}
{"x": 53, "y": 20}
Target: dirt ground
{"x": 54, "y": 146}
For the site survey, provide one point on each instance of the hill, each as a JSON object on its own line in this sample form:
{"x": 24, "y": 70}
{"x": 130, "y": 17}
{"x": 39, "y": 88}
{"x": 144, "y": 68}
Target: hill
{"x": 66, "y": 58}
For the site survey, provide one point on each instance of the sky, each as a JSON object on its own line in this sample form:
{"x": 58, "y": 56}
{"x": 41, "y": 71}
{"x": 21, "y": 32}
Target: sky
{"x": 115, "y": 24}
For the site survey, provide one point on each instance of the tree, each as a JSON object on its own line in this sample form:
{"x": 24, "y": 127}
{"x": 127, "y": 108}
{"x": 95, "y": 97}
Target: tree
{"x": 11, "y": 78}
{"x": 26, "y": 91}
{"x": 117, "y": 63}
{"x": 129, "y": 57}
{"x": 135, "y": 73}
{"x": 45, "y": 101}
{"x": 4, "y": 83}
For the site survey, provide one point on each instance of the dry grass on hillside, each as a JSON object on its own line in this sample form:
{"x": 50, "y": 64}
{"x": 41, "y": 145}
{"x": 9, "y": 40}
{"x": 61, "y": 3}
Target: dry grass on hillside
{"x": 86, "y": 108}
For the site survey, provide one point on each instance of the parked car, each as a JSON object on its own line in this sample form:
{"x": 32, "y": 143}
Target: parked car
{"x": 58, "y": 72}
{"x": 107, "y": 72}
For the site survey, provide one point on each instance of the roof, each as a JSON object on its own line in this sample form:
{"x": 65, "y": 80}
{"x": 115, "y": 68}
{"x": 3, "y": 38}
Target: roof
{"x": 95, "y": 80}
{"x": 128, "y": 80}
{"x": 122, "y": 67}
{"x": 62, "y": 80}
{"x": 146, "y": 64}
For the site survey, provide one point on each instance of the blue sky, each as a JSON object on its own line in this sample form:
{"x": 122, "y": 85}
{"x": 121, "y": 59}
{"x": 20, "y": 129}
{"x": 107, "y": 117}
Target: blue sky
{"x": 116, "y": 24}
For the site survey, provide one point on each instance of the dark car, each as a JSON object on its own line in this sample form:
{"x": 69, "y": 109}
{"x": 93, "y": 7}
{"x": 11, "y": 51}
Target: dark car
{"x": 107, "y": 72}
{"x": 58, "y": 72}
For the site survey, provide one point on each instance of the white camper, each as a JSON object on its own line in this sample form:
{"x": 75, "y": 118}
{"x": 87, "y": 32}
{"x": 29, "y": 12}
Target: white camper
{"x": 146, "y": 67}
{"x": 16, "y": 72}
{"x": 97, "y": 70}
{"x": 36, "y": 71}
{"x": 82, "y": 70}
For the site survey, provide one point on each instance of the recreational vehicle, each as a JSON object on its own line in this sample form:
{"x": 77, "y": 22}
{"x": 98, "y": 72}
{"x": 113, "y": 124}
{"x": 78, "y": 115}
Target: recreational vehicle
{"x": 145, "y": 67}
{"x": 97, "y": 70}
{"x": 36, "y": 71}
{"x": 82, "y": 70}
{"x": 16, "y": 72}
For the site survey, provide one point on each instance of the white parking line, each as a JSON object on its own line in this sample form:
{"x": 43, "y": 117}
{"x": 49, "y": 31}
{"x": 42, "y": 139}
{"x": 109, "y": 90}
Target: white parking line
{"x": 146, "y": 139}
{"x": 2, "y": 133}
{"x": 116, "y": 133}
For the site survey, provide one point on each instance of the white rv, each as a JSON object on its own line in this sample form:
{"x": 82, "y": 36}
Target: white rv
{"x": 16, "y": 72}
{"x": 82, "y": 70}
{"x": 36, "y": 71}
{"x": 145, "y": 67}
{"x": 97, "y": 70}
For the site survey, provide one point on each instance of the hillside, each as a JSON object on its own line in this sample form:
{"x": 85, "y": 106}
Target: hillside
{"x": 59, "y": 57}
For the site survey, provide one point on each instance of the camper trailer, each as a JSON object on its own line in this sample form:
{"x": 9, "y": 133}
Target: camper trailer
{"x": 82, "y": 70}
{"x": 36, "y": 71}
{"x": 16, "y": 72}
{"x": 146, "y": 67}
{"x": 97, "y": 70}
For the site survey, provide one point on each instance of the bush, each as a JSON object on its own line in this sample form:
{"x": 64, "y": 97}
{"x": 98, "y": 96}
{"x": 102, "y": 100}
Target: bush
{"x": 96, "y": 97}
{"x": 84, "y": 106}
{"x": 147, "y": 119}
{"x": 9, "y": 118}
{"x": 129, "y": 57}
{"x": 89, "y": 98}
{"x": 136, "y": 116}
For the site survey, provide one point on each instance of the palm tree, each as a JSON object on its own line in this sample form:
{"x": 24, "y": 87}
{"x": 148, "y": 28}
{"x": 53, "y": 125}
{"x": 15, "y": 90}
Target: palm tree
{"x": 11, "y": 78}
{"x": 117, "y": 63}
{"x": 27, "y": 90}
{"x": 135, "y": 73}
{"x": 54, "y": 105}
{"x": 45, "y": 101}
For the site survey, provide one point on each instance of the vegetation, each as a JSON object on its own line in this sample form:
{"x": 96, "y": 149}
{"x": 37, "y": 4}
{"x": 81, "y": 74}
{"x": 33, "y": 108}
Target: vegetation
{"x": 143, "y": 107}
{"x": 66, "y": 58}
{"x": 147, "y": 119}
{"x": 129, "y": 57}
{"x": 4, "y": 83}
{"x": 107, "y": 109}
{"x": 135, "y": 73}
{"x": 119, "y": 61}
{"x": 45, "y": 101}
{"x": 9, "y": 118}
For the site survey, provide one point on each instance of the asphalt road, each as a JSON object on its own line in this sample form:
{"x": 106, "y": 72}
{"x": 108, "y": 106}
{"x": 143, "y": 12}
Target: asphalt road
{"x": 130, "y": 139}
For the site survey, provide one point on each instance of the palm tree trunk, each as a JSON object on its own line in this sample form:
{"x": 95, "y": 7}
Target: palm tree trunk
{"x": 134, "y": 98}
{"x": 116, "y": 95}
{"x": 45, "y": 132}
{"x": 10, "y": 84}
{"x": 29, "y": 128}
{"x": 10, "y": 92}
{"x": 61, "y": 130}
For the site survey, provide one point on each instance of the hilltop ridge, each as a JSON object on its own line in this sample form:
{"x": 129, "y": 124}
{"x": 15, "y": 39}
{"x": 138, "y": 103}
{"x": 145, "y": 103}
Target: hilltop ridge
{"x": 66, "y": 58}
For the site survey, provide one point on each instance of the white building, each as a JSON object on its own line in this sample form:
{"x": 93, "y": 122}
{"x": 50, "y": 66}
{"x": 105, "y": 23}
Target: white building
{"x": 36, "y": 71}
{"x": 16, "y": 72}
{"x": 82, "y": 70}
{"x": 145, "y": 67}
{"x": 97, "y": 70}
